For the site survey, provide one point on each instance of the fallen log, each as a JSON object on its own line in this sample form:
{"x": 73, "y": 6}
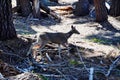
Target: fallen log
{"x": 62, "y": 10}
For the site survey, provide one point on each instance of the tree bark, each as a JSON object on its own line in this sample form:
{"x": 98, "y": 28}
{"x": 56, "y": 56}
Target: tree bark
{"x": 37, "y": 5}
{"x": 36, "y": 9}
{"x": 101, "y": 11}
{"x": 115, "y": 8}
{"x": 25, "y": 7}
{"x": 7, "y": 30}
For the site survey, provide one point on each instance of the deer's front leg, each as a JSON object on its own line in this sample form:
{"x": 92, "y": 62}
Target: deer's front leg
{"x": 59, "y": 51}
{"x": 68, "y": 48}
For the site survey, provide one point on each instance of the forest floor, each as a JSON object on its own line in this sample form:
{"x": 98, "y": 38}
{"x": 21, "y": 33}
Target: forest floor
{"x": 95, "y": 47}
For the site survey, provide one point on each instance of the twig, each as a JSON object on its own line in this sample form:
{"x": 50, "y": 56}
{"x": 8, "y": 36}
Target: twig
{"x": 49, "y": 65}
{"x": 61, "y": 73}
{"x": 48, "y": 57}
{"x": 112, "y": 66}
{"x": 82, "y": 60}
{"x": 91, "y": 73}
{"x": 53, "y": 75}
{"x": 10, "y": 48}
{"x": 25, "y": 70}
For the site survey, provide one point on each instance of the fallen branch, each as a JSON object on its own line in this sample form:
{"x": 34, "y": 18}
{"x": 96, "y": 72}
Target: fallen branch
{"x": 49, "y": 65}
{"x": 53, "y": 75}
{"x": 48, "y": 57}
{"x": 113, "y": 65}
{"x": 82, "y": 60}
{"x": 61, "y": 74}
{"x": 25, "y": 70}
{"x": 91, "y": 73}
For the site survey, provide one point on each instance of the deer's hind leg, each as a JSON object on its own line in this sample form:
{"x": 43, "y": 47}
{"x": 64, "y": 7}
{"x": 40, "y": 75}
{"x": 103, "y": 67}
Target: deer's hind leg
{"x": 33, "y": 48}
{"x": 42, "y": 45}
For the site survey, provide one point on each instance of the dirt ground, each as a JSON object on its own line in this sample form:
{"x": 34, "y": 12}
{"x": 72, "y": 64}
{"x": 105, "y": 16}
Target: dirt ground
{"x": 95, "y": 44}
{"x": 89, "y": 37}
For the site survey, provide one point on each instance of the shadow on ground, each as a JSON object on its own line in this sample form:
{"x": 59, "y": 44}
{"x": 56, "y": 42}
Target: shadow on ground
{"x": 107, "y": 38}
{"x": 108, "y": 26}
{"x": 81, "y": 19}
{"x": 23, "y": 25}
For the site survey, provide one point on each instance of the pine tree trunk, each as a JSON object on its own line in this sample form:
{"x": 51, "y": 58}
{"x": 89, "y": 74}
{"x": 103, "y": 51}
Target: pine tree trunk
{"x": 101, "y": 11}
{"x": 115, "y": 8}
{"x": 7, "y": 30}
{"x": 25, "y": 7}
{"x": 36, "y": 9}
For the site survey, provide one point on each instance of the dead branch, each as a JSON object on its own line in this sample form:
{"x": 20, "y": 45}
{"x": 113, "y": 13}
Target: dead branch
{"x": 48, "y": 57}
{"x": 82, "y": 60}
{"x": 113, "y": 65}
{"x": 53, "y": 75}
{"x": 62, "y": 64}
{"x": 61, "y": 74}
{"x": 62, "y": 8}
{"x": 25, "y": 70}
{"x": 91, "y": 73}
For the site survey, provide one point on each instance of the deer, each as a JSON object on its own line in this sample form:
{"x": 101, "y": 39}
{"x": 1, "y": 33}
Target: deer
{"x": 57, "y": 38}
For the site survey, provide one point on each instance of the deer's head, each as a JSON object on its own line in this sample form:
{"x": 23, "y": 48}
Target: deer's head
{"x": 74, "y": 30}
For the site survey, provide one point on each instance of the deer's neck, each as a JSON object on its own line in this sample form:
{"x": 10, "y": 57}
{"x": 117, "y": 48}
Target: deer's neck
{"x": 68, "y": 34}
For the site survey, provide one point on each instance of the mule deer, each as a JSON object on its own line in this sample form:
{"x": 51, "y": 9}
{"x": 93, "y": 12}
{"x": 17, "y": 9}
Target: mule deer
{"x": 57, "y": 38}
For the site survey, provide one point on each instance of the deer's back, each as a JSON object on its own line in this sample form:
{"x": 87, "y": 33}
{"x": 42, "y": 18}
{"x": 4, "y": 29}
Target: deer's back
{"x": 57, "y": 38}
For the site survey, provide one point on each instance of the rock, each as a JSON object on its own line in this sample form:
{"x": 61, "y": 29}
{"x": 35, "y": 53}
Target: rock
{"x": 81, "y": 8}
{"x": 25, "y": 76}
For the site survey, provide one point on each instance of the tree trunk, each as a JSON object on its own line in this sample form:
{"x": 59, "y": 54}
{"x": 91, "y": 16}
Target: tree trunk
{"x": 115, "y": 8}
{"x": 7, "y": 30}
{"x": 25, "y": 7}
{"x": 36, "y": 9}
{"x": 101, "y": 11}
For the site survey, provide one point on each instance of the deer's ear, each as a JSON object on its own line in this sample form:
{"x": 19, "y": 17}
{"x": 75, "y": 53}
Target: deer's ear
{"x": 72, "y": 27}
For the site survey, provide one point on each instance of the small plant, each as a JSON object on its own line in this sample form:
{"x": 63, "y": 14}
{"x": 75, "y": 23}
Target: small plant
{"x": 74, "y": 62}
{"x": 42, "y": 77}
{"x": 97, "y": 40}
